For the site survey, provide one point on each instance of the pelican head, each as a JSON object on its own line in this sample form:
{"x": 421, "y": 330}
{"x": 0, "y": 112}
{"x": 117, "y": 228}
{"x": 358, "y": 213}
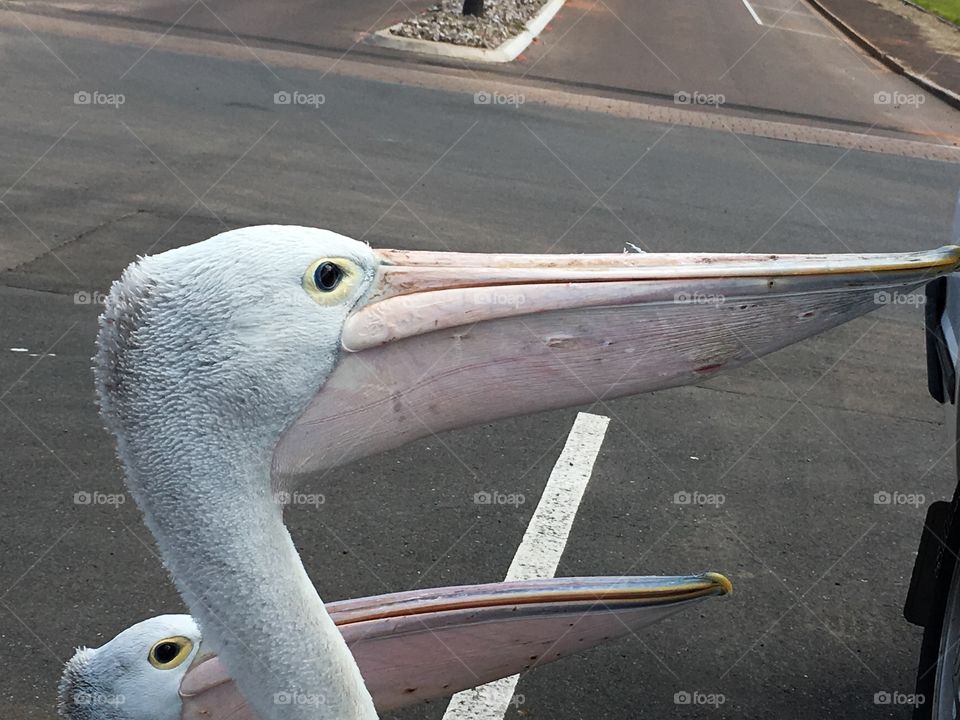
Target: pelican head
{"x": 232, "y": 335}
{"x": 231, "y": 369}
{"x": 135, "y": 676}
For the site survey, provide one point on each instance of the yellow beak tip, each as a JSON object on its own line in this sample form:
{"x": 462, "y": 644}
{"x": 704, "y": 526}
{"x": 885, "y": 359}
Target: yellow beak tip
{"x": 722, "y": 580}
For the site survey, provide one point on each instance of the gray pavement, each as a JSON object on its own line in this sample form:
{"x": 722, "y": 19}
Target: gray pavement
{"x": 923, "y": 44}
{"x": 792, "y": 61}
{"x": 798, "y": 444}
{"x": 313, "y": 24}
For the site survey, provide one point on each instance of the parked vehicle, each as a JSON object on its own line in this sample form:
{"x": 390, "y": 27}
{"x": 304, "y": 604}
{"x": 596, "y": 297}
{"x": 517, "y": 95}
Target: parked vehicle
{"x": 933, "y": 600}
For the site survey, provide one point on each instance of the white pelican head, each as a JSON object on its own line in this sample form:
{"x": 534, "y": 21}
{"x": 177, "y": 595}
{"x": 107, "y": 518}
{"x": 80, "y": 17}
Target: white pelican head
{"x": 135, "y": 676}
{"x": 231, "y": 369}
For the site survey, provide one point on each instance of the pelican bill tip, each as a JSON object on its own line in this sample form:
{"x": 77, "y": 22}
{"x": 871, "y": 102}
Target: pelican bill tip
{"x": 952, "y": 252}
{"x": 722, "y": 580}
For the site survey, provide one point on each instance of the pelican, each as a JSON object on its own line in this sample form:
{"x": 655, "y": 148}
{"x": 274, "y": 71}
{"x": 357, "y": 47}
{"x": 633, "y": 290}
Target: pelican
{"x": 410, "y": 647}
{"x": 232, "y": 369}
{"x": 135, "y": 676}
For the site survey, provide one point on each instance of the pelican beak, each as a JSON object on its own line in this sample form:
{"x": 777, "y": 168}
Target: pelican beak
{"x": 424, "y": 644}
{"x": 422, "y": 292}
{"x": 201, "y": 656}
{"x": 446, "y": 340}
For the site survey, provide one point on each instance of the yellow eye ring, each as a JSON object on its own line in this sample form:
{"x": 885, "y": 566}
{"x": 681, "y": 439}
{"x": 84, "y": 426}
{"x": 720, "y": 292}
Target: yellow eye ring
{"x": 328, "y": 280}
{"x": 170, "y": 652}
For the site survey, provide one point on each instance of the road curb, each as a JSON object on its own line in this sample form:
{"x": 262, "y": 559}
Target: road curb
{"x": 506, "y": 52}
{"x": 892, "y": 62}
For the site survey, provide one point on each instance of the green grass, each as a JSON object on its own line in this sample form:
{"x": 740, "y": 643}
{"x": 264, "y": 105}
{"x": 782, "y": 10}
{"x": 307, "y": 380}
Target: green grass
{"x": 949, "y": 9}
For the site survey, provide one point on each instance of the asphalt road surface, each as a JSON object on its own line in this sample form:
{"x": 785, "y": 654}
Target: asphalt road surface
{"x": 311, "y": 24}
{"x": 776, "y": 57}
{"x": 798, "y": 445}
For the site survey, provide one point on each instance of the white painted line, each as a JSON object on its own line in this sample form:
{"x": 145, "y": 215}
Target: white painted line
{"x": 806, "y": 32}
{"x": 487, "y": 702}
{"x": 542, "y": 545}
{"x": 781, "y": 11}
{"x": 752, "y": 11}
{"x": 540, "y": 550}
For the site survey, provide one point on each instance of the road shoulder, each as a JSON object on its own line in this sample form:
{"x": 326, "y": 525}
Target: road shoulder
{"x": 483, "y": 88}
{"x": 907, "y": 39}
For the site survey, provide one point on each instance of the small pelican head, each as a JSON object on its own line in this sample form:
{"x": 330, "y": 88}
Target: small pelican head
{"x": 135, "y": 676}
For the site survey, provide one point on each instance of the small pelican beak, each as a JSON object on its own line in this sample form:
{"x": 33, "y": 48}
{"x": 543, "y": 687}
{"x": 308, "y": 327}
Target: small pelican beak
{"x": 424, "y": 644}
{"x": 446, "y": 340}
{"x": 201, "y": 656}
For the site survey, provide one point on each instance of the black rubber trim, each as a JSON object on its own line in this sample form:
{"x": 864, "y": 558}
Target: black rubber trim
{"x": 923, "y": 582}
{"x": 941, "y": 377}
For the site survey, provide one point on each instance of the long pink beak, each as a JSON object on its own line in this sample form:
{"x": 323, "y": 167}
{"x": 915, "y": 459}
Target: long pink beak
{"x": 423, "y": 644}
{"x": 511, "y": 334}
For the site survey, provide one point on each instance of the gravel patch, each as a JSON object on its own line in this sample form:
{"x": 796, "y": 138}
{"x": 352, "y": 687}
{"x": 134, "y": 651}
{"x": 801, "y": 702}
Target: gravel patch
{"x": 502, "y": 19}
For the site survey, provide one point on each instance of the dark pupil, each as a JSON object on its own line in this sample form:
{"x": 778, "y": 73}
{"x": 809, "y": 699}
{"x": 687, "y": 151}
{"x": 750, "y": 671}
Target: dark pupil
{"x": 165, "y": 652}
{"x": 328, "y": 276}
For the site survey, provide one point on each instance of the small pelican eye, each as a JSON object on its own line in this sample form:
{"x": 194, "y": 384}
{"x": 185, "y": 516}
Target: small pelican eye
{"x": 166, "y": 652}
{"x": 327, "y": 276}
{"x": 330, "y": 280}
{"x": 170, "y": 652}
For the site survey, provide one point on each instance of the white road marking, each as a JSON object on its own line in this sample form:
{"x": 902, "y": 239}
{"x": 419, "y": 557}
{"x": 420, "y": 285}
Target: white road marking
{"x": 540, "y": 550}
{"x": 806, "y": 32}
{"x": 31, "y": 354}
{"x": 803, "y": 13}
{"x": 753, "y": 12}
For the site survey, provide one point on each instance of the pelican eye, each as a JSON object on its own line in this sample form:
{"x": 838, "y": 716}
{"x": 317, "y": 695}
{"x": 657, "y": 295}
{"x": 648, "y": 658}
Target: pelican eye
{"x": 170, "y": 652}
{"x": 327, "y": 276}
{"x": 330, "y": 280}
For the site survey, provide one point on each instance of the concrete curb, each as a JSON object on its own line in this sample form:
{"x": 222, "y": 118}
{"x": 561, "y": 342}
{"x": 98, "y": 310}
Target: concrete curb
{"x": 508, "y": 51}
{"x": 892, "y": 62}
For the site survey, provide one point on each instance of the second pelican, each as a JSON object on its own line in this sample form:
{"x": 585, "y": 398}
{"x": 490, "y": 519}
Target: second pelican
{"x": 411, "y": 646}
